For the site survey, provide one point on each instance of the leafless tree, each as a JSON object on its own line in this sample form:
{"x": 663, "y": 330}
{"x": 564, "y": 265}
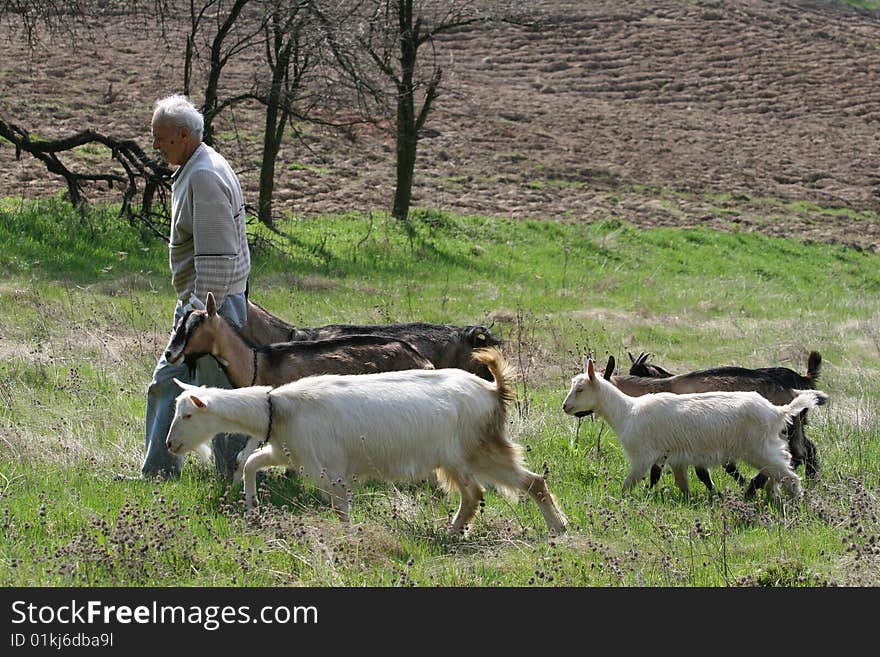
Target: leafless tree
{"x": 293, "y": 50}
{"x": 53, "y": 16}
{"x": 394, "y": 35}
{"x": 227, "y": 34}
{"x": 291, "y": 82}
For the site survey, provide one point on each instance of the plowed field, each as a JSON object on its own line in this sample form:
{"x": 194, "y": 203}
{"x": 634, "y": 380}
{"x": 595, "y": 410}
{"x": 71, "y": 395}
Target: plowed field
{"x": 743, "y": 115}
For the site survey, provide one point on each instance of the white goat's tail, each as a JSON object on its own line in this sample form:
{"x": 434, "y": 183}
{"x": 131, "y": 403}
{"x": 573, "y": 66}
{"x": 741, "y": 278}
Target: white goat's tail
{"x": 503, "y": 372}
{"x": 806, "y": 400}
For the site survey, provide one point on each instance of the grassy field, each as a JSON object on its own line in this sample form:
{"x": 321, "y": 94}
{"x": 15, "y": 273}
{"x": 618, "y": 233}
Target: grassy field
{"x": 85, "y": 306}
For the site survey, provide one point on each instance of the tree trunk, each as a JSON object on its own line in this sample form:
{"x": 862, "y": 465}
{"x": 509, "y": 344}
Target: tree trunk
{"x": 267, "y": 180}
{"x": 277, "y": 114}
{"x": 407, "y": 135}
{"x": 271, "y": 144}
{"x": 407, "y": 142}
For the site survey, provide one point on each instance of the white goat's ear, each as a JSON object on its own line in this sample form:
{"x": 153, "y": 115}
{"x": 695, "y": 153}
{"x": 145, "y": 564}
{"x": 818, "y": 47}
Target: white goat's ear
{"x": 591, "y": 370}
{"x": 586, "y": 360}
{"x": 211, "y": 305}
{"x": 198, "y": 402}
{"x": 184, "y": 386}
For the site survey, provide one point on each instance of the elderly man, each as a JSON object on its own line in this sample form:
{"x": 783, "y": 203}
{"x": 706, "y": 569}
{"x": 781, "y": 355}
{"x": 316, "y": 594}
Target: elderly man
{"x": 208, "y": 253}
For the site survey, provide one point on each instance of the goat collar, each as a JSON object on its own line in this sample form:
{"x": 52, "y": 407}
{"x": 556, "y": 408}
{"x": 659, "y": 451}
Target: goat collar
{"x": 269, "y": 423}
{"x": 254, "y": 379}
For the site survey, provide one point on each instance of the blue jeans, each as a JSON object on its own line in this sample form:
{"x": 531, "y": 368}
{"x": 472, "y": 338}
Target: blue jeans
{"x": 163, "y": 392}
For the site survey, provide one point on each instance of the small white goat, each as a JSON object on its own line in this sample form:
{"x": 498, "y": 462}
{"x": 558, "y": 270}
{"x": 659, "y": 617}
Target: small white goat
{"x": 699, "y": 429}
{"x": 389, "y": 425}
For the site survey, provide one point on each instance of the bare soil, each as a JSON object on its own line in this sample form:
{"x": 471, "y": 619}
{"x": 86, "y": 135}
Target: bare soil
{"x": 739, "y": 115}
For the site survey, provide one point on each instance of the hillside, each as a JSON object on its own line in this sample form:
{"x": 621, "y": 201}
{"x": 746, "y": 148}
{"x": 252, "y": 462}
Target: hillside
{"x": 748, "y": 115}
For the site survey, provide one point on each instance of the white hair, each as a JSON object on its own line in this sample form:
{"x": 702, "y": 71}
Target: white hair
{"x": 178, "y": 111}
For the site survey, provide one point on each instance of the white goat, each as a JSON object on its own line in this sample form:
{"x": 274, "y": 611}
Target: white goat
{"x": 389, "y": 425}
{"x": 699, "y": 429}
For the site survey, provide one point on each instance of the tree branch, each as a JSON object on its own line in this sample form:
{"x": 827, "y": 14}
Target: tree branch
{"x": 127, "y": 153}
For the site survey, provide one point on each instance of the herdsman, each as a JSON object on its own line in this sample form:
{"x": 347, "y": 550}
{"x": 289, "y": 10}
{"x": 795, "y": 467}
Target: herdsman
{"x": 208, "y": 252}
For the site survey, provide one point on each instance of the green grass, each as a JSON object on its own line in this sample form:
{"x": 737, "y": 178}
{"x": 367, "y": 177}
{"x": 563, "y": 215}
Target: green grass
{"x": 864, "y": 4}
{"x": 84, "y": 311}
{"x": 299, "y": 166}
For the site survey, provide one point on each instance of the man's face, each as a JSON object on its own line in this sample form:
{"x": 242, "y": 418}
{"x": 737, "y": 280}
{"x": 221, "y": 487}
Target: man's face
{"x": 172, "y": 141}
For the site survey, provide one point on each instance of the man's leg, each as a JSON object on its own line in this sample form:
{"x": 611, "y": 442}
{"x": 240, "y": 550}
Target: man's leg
{"x": 161, "y": 394}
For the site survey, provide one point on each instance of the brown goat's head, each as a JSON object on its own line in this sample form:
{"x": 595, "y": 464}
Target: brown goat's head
{"x": 195, "y": 335}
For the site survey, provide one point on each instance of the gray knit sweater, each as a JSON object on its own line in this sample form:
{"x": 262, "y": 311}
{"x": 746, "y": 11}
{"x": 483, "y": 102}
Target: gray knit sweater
{"x": 208, "y": 250}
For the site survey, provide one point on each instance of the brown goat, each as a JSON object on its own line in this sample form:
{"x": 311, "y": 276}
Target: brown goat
{"x": 262, "y": 327}
{"x": 445, "y": 345}
{"x": 779, "y": 385}
{"x": 205, "y": 332}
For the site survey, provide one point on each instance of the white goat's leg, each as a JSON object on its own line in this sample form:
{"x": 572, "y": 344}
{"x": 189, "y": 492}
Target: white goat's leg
{"x": 203, "y": 451}
{"x": 243, "y": 455}
{"x": 631, "y": 480}
{"x": 536, "y": 486}
{"x": 339, "y": 492}
{"x": 260, "y": 459}
{"x": 637, "y": 472}
{"x": 681, "y": 479}
{"x": 772, "y": 488}
{"x": 471, "y": 494}
{"x": 792, "y": 484}
{"x": 789, "y": 480}
{"x": 775, "y": 464}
